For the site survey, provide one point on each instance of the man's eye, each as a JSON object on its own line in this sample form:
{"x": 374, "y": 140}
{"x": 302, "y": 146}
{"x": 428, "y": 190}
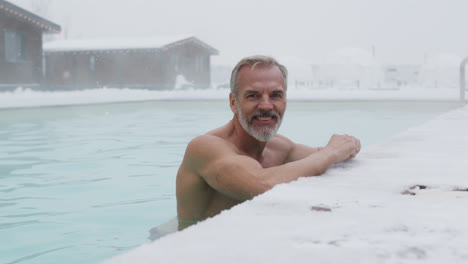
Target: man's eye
{"x": 277, "y": 95}
{"x": 251, "y": 95}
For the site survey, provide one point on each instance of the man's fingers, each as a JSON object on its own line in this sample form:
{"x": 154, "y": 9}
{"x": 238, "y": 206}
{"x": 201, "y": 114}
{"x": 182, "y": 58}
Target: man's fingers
{"x": 357, "y": 147}
{"x": 346, "y": 146}
{"x": 357, "y": 144}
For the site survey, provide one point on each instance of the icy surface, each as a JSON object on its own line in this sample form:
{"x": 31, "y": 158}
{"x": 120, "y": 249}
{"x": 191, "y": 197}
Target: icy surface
{"x": 355, "y": 213}
{"x": 30, "y": 98}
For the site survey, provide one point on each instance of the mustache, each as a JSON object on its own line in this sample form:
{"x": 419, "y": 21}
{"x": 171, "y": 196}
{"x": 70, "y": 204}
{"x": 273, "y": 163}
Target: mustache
{"x": 265, "y": 114}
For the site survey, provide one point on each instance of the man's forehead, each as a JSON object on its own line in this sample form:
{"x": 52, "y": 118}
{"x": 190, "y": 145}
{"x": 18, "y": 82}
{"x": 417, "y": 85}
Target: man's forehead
{"x": 259, "y": 67}
{"x": 260, "y": 73}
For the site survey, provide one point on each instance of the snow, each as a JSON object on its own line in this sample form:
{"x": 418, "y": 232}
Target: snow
{"x": 354, "y": 213}
{"x": 113, "y": 43}
{"x": 22, "y": 97}
{"x": 181, "y": 82}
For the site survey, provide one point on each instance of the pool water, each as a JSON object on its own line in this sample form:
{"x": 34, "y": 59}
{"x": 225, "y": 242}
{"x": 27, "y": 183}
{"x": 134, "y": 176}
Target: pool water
{"x": 80, "y": 184}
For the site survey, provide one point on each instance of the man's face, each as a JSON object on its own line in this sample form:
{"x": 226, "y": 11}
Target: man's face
{"x": 261, "y": 101}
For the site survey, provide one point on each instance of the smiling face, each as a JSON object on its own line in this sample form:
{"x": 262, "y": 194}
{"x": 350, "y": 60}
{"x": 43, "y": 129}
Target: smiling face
{"x": 261, "y": 100}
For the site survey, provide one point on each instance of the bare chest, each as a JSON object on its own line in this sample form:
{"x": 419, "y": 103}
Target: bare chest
{"x": 272, "y": 158}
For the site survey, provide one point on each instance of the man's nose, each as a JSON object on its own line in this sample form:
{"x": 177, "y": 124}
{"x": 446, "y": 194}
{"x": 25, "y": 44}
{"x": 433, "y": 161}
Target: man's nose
{"x": 265, "y": 104}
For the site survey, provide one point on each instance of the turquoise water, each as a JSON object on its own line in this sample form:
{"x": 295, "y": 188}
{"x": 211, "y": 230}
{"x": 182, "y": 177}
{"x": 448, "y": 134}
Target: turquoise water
{"x": 80, "y": 184}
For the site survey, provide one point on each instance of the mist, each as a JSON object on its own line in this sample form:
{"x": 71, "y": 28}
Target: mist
{"x": 400, "y": 32}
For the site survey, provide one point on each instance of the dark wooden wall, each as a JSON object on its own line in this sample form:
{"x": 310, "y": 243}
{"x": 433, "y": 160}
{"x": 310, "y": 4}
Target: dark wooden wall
{"x": 28, "y": 71}
{"x": 150, "y": 68}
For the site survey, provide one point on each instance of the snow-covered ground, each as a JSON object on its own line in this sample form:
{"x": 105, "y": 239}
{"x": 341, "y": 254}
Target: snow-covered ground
{"x": 403, "y": 201}
{"x": 31, "y": 98}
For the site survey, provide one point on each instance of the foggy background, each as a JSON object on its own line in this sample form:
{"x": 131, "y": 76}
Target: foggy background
{"x": 397, "y": 31}
{"x": 342, "y": 53}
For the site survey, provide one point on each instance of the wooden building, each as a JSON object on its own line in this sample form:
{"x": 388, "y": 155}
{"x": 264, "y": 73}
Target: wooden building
{"x": 158, "y": 63}
{"x": 21, "y": 46}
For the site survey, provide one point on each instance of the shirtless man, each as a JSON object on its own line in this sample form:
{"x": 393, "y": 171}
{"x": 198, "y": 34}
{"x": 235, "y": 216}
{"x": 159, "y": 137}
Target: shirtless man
{"x": 246, "y": 157}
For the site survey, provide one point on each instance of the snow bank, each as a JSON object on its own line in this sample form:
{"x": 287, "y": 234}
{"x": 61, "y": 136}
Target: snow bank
{"x": 355, "y": 213}
{"x": 31, "y": 98}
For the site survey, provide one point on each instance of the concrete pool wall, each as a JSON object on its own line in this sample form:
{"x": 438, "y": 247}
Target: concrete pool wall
{"x": 401, "y": 201}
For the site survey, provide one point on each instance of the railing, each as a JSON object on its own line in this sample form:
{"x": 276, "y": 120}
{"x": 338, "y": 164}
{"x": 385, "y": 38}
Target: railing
{"x": 463, "y": 79}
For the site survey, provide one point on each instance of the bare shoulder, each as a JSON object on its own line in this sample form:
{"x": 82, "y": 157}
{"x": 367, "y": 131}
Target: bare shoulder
{"x": 207, "y": 147}
{"x": 208, "y": 141}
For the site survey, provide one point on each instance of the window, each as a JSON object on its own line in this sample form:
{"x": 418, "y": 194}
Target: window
{"x": 15, "y": 46}
{"x": 92, "y": 63}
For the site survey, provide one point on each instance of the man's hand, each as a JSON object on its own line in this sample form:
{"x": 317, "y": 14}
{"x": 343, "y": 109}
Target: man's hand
{"x": 343, "y": 147}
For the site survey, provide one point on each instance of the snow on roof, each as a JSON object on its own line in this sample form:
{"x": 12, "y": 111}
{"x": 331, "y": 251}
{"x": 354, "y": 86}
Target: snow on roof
{"x": 357, "y": 212}
{"x": 25, "y": 16}
{"x": 116, "y": 43}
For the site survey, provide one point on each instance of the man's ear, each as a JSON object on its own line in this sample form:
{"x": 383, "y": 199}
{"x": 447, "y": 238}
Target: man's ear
{"x": 232, "y": 103}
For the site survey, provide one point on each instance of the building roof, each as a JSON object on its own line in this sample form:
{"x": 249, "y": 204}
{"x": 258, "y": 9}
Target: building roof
{"x": 158, "y": 43}
{"x": 11, "y": 10}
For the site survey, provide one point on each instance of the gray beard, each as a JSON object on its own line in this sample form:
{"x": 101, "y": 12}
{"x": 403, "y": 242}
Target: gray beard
{"x": 265, "y": 132}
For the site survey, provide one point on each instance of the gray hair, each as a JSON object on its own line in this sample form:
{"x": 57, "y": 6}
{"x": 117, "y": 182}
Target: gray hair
{"x": 254, "y": 61}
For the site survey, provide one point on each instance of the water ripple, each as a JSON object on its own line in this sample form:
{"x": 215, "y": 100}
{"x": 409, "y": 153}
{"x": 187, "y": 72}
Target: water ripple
{"x": 124, "y": 248}
{"x": 35, "y": 255}
{"x": 128, "y": 202}
{"x": 16, "y": 224}
{"x": 7, "y": 190}
{"x": 54, "y": 184}
{"x": 26, "y": 198}
{"x": 22, "y": 161}
{"x": 34, "y": 214}
{"x": 142, "y": 175}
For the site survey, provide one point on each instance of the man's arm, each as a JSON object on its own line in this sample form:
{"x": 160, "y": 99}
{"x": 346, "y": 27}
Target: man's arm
{"x": 300, "y": 151}
{"x": 241, "y": 177}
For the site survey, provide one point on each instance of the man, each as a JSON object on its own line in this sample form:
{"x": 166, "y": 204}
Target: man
{"x": 246, "y": 157}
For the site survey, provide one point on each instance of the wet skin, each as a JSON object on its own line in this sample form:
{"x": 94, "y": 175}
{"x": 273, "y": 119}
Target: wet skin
{"x": 227, "y": 165}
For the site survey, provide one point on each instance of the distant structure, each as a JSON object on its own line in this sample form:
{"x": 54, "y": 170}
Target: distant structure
{"x": 401, "y": 75}
{"x": 440, "y": 71}
{"x": 358, "y": 69}
{"x": 463, "y": 78}
{"x": 158, "y": 63}
{"x": 348, "y": 69}
{"x": 21, "y": 46}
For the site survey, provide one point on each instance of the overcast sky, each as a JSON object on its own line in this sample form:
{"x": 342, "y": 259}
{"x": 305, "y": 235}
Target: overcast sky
{"x": 402, "y": 31}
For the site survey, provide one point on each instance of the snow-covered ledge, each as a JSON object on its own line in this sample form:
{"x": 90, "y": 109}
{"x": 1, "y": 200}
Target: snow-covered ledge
{"x": 373, "y": 209}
